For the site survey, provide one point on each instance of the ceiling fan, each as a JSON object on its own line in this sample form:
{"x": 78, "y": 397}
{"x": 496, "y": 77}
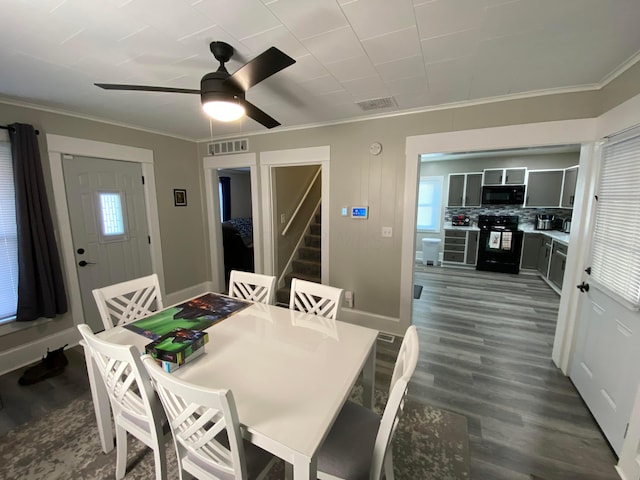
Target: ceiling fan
{"x": 221, "y": 93}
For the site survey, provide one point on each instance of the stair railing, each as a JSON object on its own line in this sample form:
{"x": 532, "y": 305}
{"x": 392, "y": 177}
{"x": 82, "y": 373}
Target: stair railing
{"x": 289, "y": 266}
{"x": 304, "y": 197}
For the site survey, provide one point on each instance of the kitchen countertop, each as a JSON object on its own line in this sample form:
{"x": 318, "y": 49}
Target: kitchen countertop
{"x": 555, "y": 234}
{"x": 462, "y": 229}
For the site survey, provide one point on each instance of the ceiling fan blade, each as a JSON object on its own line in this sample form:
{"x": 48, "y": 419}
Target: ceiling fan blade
{"x": 258, "y": 115}
{"x": 145, "y": 88}
{"x": 263, "y": 66}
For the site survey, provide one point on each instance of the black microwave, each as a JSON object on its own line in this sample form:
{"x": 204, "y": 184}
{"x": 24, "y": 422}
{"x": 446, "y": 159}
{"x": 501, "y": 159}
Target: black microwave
{"x": 503, "y": 195}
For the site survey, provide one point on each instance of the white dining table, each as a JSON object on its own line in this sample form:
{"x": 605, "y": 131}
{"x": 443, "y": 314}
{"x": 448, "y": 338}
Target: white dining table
{"x": 290, "y": 374}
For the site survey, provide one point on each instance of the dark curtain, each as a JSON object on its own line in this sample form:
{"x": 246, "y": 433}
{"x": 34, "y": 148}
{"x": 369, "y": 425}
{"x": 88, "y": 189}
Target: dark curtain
{"x": 41, "y": 290}
{"x": 225, "y": 183}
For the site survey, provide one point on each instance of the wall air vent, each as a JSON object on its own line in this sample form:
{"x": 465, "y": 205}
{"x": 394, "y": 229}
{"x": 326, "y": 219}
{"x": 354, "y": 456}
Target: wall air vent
{"x": 225, "y": 147}
{"x": 377, "y": 103}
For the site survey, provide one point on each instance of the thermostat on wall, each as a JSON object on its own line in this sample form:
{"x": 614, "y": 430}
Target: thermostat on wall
{"x": 361, "y": 211}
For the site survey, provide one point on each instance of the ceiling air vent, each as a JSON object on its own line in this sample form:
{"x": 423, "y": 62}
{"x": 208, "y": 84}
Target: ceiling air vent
{"x": 225, "y": 147}
{"x": 377, "y": 103}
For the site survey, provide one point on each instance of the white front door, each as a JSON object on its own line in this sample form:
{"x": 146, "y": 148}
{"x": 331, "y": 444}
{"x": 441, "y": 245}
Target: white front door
{"x": 108, "y": 225}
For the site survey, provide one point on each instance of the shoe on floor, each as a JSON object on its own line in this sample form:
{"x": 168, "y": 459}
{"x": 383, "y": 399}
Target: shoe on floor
{"x": 51, "y": 365}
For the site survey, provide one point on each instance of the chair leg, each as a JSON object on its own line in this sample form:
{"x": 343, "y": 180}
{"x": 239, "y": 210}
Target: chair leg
{"x": 160, "y": 459}
{"x": 388, "y": 465}
{"x": 121, "y": 452}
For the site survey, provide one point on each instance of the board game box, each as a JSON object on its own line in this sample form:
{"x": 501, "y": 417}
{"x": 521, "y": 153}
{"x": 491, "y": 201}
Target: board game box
{"x": 177, "y": 345}
{"x": 197, "y": 314}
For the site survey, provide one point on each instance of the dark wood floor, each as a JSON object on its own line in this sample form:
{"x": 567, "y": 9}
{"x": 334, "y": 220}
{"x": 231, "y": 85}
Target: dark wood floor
{"x": 485, "y": 352}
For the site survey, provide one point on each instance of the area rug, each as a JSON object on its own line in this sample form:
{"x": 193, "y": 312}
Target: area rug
{"x": 429, "y": 444}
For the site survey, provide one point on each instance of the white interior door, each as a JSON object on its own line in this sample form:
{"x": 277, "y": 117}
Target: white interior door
{"x": 108, "y": 225}
{"x": 605, "y": 367}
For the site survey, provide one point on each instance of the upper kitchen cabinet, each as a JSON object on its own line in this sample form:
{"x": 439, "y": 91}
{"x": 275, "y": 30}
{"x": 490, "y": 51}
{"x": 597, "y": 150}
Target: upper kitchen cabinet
{"x": 465, "y": 189}
{"x": 543, "y": 188}
{"x": 569, "y": 186}
{"x": 504, "y": 176}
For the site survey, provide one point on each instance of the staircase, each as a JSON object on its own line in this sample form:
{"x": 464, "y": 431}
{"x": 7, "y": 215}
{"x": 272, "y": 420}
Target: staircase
{"x": 308, "y": 263}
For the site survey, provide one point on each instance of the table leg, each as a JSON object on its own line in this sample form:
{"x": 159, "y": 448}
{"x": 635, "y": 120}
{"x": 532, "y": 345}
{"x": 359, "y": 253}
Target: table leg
{"x": 369, "y": 379}
{"x": 101, "y": 405}
{"x": 305, "y": 468}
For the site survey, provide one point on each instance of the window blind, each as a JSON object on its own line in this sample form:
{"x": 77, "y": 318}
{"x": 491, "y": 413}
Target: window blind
{"x": 615, "y": 256}
{"x": 8, "y": 237}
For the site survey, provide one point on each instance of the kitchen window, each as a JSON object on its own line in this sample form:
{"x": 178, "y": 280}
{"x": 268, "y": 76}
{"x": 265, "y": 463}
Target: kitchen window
{"x": 8, "y": 237}
{"x": 429, "y": 204}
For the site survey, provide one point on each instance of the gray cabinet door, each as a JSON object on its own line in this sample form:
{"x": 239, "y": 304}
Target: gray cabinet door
{"x": 514, "y": 176}
{"x": 473, "y": 196}
{"x": 556, "y": 267}
{"x": 493, "y": 177}
{"x": 544, "y": 254}
{"x": 456, "y": 189}
{"x": 472, "y": 247}
{"x": 569, "y": 189}
{"x": 543, "y": 188}
{"x": 530, "y": 251}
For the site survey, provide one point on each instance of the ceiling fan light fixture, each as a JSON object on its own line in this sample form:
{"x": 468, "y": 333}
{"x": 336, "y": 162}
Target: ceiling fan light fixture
{"x": 222, "y": 110}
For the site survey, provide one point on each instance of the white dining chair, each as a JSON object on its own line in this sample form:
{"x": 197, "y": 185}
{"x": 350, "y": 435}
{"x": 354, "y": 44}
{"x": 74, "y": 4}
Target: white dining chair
{"x": 206, "y": 430}
{"x": 359, "y": 443}
{"x": 254, "y": 287}
{"x": 315, "y": 298}
{"x": 136, "y": 409}
{"x": 125, "y": 302}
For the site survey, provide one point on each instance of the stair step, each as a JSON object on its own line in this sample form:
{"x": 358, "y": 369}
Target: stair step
{"x": 282, "y": 296}
{"x": 318, "y": 218}
{"x": 307, "y": 267}
{"x": 310, "y": 253}
{"x": 315, "y": 229}
{"x": 313, "y": 240}
{"x": 301, "y": 276}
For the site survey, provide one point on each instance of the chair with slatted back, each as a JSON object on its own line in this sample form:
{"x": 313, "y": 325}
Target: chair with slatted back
{"x": 252, "y": 286}
{"x": 127, "y": 301}
{"x": 136, "y": 409}
{"x": 359, "y": 443}
{"x": 315, "y": 298}
{"x": 206, "y": 430}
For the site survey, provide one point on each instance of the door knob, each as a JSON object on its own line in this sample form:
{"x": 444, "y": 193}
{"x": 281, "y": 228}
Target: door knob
{"x": 82, "y": 263}
{"x": 583, "y": 287}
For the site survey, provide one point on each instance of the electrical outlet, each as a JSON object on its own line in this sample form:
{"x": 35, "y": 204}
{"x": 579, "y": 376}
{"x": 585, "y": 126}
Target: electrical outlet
{"x": 387, "y": 231}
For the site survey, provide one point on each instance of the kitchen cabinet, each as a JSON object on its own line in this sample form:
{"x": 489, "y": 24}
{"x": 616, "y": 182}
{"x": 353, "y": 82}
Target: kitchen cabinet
{"x": 543, "y": 255}
{"x": 465, "y": 189}
{"x": 569, "y": 186}
{"x": 544, "y": 188}
{"x": 504, "y": 176}
{"x": 557, "y": 264}
{"x": 530, "y": 251}
{"x": 460, "y": 246}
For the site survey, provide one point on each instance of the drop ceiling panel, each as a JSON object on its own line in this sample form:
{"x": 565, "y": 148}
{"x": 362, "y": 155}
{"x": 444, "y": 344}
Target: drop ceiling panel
{"x": 403, "y": 68}
{"x": 309, "y": 18}
{"x": 352, "y": 68}
{"x": 245, "y": 18}
{"x": 373, "y": 18}
{"x": 442, "y": 17}
{"x": 334, "y": 46}
{"x": 454, "y": 45}
{"x": 278, "y": 37}
{"x": 393, "y": 46}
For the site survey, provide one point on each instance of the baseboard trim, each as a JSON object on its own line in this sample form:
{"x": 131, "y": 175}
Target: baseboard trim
{"x": 382, "y": 323}
{"x": 31, "y": 352}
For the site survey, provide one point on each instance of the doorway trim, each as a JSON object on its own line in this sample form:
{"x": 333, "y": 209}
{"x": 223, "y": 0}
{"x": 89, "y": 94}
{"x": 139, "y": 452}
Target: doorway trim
{"x": 582, "y": 131}
{"x": 292, "y": 158}
{"x": 211, "y": 165}
{"x": 58, "y": 146}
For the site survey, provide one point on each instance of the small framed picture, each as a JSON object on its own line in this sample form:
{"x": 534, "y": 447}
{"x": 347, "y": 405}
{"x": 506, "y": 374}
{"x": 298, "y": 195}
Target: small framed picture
{"x": 180, "y": 197}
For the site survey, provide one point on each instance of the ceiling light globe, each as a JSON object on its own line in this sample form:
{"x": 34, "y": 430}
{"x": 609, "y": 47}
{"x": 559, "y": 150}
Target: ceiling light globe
{"x": 223, "y": 111}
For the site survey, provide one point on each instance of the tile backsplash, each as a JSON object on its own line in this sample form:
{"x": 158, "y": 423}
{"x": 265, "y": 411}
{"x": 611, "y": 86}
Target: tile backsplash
{"x": 526, "y": 215}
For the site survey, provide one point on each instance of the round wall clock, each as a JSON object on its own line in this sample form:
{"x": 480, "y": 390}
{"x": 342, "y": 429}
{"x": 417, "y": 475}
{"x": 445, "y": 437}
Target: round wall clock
{"x": 375, "y": 148}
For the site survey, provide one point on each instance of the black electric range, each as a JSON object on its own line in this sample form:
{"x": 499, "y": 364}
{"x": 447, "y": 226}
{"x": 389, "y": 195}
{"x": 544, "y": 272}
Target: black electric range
{"x": 500, "y": 244}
